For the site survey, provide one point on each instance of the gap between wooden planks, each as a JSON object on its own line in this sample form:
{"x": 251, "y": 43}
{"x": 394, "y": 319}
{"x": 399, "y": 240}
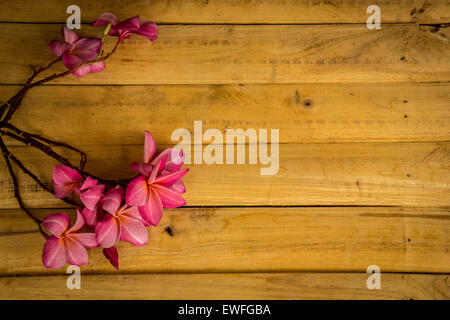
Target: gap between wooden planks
{"x": 228, "y": 286}
{"x": 206, "y": 54}
{"x": 309, "y": 113}
{"x": 342, "y": 239}
{"x": 309, "y": 174}
{"x": 231, "y": 11}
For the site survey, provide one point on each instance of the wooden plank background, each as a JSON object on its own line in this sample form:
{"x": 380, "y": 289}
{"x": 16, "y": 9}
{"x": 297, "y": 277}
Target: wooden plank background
{"x": 364, "y": 147}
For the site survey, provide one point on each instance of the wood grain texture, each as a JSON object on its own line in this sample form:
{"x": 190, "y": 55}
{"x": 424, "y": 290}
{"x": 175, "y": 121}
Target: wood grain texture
{"x": 309, "y": 174}
{"x": 258, "y": 239}
{"x": 231, "y": 11}
{"x": 303, "y": 113}
{"x": 211, "y": 54}
{"x": 229, "y": 286}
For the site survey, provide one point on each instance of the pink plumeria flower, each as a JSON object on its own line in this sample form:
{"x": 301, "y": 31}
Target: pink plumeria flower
{"x": 66, "y": 244}
{"x": 174, "y": 161}
{"x": 153, "y": 193}
{"x": 120, "y": 223}
{"x": 123, "y": 29}
{"x": 65, "y": 181}
{"x": 75, "y": 50}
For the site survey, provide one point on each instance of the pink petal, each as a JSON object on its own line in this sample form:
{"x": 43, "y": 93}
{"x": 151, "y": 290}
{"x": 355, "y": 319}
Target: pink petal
{"x": 107, "y": 231}
{"x": 54, "y": 255}
{"x": 112, "y": 255}
{"x": 149, "y": 147}
{"x": 152, "y": 212}
{"x": 58, "y": 47}
{"x": 88, "y": 183}
{"x": 149, "y": 30}
{"x": 79, "y": 223}
{"x": 105, "y": 19}
{"x": 56, "y": 223}
{"x": 71, "y": 61}
{"x": 64, "y": 174}
{"x": 142, "y": 168}
{"x": 175, "y": 159}
{"x": 76, "y": 253}
{"x": 170, "y": 178}
{"x": 82, "y": 71}
{"x": 87, "y": 48}
{"x": 62, "y": 191}
{"x": 91, "y": 196}
{"x": 87, "y": 240}
{"x": 112, "y": 200}
{"x": 69, "y": 35}
{"x": 133, "y": 231}
{"x": 132, "y": 212}
{"x": 91, "y": 217}
{"x": 97, "y": 67}
{"x": 137, "y": 192}
{"x": 156, "y": 170}
{"x": 178, "y": 187}
{"x": 169, "y": 198}
{"x": 131, "y": 24}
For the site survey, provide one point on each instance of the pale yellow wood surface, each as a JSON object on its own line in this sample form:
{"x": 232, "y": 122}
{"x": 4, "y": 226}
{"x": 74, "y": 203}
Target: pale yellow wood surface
{"x": 231, "y": 11}
{"x": 205, "y": 54}
{"x": 233, "y": 286}
{"x": 259, "y": 239}
{"x": 309, "y": 174}
{"x": 112, "y": 115}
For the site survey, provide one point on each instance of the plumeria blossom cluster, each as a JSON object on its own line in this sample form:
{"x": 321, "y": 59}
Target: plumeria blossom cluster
{"x": 113, "y": 214}
{"x": 85, "y": 55}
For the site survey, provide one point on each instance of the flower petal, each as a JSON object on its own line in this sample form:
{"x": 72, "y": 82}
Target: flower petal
{"x": 69, "y": 35}
{"x": 131, "y": 24}
{"x": 170, "y": 178}
{"x": 149, "y": 30}
{"x": 87, "y": 240}
{"x": 76, "y": 253}
{"x": 175, "y": 159}
{"x": 71, "y": 61}
{"x": 156, "y": 170}
{"x": 133, "y": 231}
{"x": 97, "y": 67}
{"x": 152, "y": 212}
{"x": 112, "y": 200}
{"x": 112, "y": 255}
{"x": 105, "y": 19}
{"x": 142, "y": 168}
{"x": 64, "y": 174}
{"x": 82, "y": 71}
{"x": 149, "y": 147}
{"x": 107, "y": 231}
{"x": 137, "y": 192}
{"x": 91, "y": 196}
{"x": 54, "y": 255}
{"x": 169, "y": 198}
{"x": 58, "y": 47}
{"x": 79, "y": 223}
{"x": 88, "y": 183}
{"x": 87, "y": 48}
{"x": 91, "y": 217}
{"x": 131, "y": 212}
{"x": 178, "y": 187}
{"x": 56, "y": 223}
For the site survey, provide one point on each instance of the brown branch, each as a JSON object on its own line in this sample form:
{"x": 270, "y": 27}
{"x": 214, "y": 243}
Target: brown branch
{"x": 6, "y": 155}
